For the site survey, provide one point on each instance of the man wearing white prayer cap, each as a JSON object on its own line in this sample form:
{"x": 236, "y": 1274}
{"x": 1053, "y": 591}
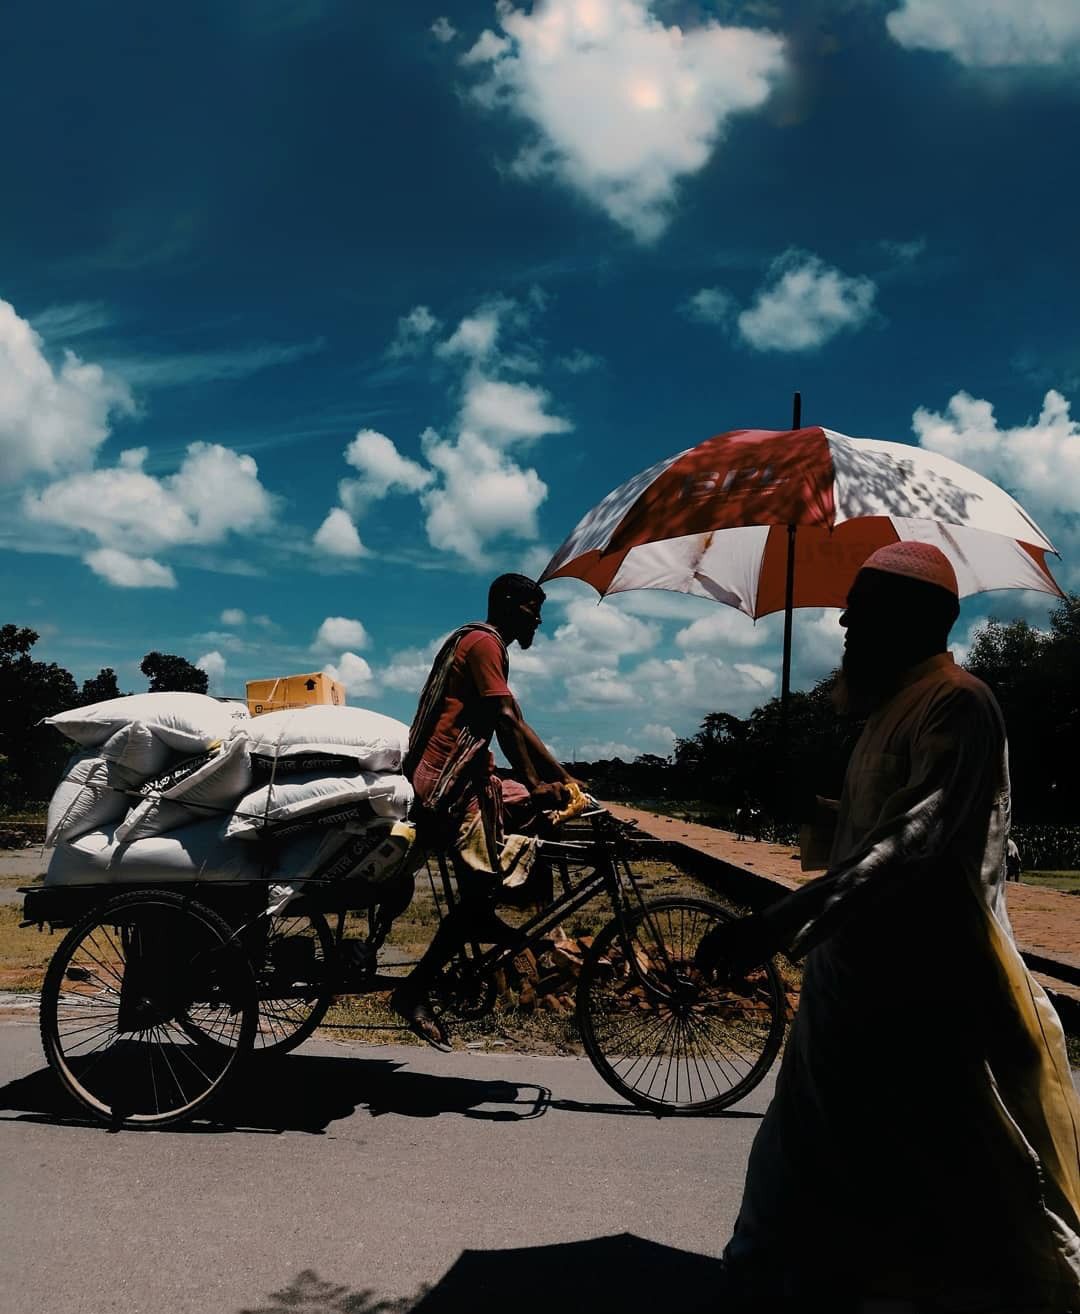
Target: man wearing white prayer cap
{"x": 922, "y": 1150}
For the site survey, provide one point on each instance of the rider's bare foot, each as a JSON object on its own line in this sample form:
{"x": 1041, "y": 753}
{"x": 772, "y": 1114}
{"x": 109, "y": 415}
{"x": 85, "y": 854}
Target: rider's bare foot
{"x": 421, "y": 1021}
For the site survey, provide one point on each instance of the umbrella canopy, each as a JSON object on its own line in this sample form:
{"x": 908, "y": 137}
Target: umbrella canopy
{"x": 715, "y": 521}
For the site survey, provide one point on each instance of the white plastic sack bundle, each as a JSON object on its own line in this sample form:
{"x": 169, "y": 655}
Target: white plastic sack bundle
{"x": 199, "y": 789}
{"x": 135, "y": 748}
{"x": 373, "y": 741}
{"x": 198, "y": 852}
{"x": 185, "y": 722}
{"x": 93, "y": 792}
{"x": 315, "y": 798}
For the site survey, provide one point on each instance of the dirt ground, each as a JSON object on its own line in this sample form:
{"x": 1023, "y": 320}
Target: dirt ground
{"x": 1044, "y": 921}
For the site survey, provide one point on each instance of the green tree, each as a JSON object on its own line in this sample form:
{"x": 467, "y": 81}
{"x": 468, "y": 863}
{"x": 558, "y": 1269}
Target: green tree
{"x": 169, "y": 673}
{"x": 33, "y": 755}
{"x": 101, "y": 687}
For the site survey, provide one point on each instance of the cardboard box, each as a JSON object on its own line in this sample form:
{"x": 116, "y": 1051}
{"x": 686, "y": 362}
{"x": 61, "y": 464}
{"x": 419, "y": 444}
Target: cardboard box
{"x": 293, "y": 691}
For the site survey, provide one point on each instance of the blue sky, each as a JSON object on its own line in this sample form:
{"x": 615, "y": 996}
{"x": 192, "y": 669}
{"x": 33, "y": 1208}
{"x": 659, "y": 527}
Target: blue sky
{"x": 318, "y": 314}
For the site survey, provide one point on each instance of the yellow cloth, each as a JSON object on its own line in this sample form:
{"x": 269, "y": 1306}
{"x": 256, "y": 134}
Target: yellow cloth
{"x": 923, "y": 1143}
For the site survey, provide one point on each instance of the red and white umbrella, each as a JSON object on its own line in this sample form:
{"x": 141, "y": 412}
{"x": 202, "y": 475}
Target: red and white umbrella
{"x": 766, "y": 520}
{"x": 713, "y": 521}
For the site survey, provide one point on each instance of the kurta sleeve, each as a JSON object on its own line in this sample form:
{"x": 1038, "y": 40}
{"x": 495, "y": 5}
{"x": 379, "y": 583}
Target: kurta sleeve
{"x": 955, "y": 752}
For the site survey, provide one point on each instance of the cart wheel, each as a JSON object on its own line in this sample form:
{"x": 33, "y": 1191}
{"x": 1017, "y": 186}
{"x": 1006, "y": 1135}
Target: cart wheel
{"x": 657, "y": 1031}
{"x": 117, "y": 1003}
{"x": 293, "y": 981}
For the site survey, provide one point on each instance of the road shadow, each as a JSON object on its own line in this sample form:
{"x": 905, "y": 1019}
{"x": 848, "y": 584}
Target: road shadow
{"x": 606, "y": 1275}
{"x": 308, "y": 1092}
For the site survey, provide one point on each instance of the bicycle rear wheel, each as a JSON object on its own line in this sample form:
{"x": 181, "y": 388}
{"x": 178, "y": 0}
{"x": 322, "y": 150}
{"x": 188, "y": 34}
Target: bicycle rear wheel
{"x": 657, "y": 1031}
{"x": 148, "y": 1007}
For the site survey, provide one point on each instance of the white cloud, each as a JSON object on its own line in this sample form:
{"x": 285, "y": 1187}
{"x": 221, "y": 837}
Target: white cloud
{"x": 604, "y": 687}
{"x": 443, "y": 30}
{"x": 624, "y": 107}
{"x": 353, "y": 672}
{"x": 51, "y": 420}
{"x": 508, "y": 412}
{"x": 711, "y": 305}
{"x": 991, "y": 33}
{"x": 698, "y": 683}
{"x": 233, "y": 616}
{"x": 383, "y": 470}
{"x": 805, "y": 304}
{"x": 476, "y": 335}
{"x": 213, "y": 663}
{"x": 659, "y": 739}
{"x": 409, "y": 668}
{"x": 723, "y": 628}
{"x": 1039, "y": 462}
{"x": 215, "y": 492}
{"x": 482, "y": 494}
{"x": 340, "y": 632}
{"x": 127, "y": 572}
{"x": 607, "y": 751}
{"x": 337, "y": 535}
{"x": 414, "y": 330}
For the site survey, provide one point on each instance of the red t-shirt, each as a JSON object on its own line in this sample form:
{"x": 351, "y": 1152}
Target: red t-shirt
{"x": 478, "y": 671}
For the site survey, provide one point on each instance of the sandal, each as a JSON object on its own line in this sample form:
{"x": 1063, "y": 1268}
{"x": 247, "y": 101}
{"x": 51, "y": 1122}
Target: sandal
{"x": 422, "y": 1022}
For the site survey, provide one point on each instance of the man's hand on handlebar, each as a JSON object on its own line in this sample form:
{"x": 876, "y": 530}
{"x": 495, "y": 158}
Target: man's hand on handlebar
{"x": 551, "y": 796}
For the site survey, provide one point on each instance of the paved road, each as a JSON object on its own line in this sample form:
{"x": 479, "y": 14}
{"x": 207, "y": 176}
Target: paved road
{"x": 358, "y": 1175}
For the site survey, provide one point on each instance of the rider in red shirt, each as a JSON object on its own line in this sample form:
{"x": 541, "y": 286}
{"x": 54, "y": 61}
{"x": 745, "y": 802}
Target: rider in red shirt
{"x": 461, "y": 804}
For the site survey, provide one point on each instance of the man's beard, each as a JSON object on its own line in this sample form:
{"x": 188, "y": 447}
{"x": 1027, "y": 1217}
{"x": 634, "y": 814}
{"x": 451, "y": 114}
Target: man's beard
{"x": 863, "y": 685}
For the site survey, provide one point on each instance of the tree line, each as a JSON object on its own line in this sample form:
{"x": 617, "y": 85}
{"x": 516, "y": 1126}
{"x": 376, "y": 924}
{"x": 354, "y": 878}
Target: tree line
{"x": 32, "y": 756}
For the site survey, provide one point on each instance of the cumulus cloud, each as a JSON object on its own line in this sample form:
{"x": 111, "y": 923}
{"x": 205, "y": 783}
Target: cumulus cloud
{"x": 383, "y": 470}
{"x": 991, "y": 33}
{"x": 51, "y": 419}
{"x": 128, "y": 572}
{"x": 337, "y": 535}
{"x": 213, "y": 663}
{"x": 602, "y": 687}
{"x": 722, "y": 628}
{"x": 1039, "y": 462}
{"x": 216, "y": 492}
{"x": 476, "y": 335}
{"x": 340, "y": 632}
{"x": 624, "y": 107}
{"x": 233, "y": 616}
{"x": 699, "y": 683}
{"x": 508, "y": 412}
{"x": 353, "y": 672}
{"x": 580, "y": 361}
{"x": 414, "y": 331}
{"x": 804, "y": 303}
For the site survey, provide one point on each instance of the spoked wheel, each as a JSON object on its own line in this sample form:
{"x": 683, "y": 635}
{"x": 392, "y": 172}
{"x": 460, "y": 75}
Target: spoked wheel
{"x": 461, "y": 993}
{"x": 293, "y": 981}
{"x": 657, "y": 1031}
{"x": 148, "y": 1007}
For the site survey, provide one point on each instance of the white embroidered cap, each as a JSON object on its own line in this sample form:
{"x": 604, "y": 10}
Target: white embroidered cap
{"x": 921, "y": 561}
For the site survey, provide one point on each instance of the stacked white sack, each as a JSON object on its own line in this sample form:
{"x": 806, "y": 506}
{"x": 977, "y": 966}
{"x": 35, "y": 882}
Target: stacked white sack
{"x": 126, "y": 742}
{"x": 329, "y": 772}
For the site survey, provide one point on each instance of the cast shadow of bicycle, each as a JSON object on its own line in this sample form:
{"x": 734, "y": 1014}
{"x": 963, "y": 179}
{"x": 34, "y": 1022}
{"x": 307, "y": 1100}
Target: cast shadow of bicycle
{"x": 308, "y": 1092}
{"x": 605, "y": 1275}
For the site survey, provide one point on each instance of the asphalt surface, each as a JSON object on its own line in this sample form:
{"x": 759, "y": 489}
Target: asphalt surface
{"x": 349, "y": 1178}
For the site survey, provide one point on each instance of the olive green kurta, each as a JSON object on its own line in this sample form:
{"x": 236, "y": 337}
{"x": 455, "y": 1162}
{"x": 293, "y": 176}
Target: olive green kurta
{"x": 924, "y": 1140}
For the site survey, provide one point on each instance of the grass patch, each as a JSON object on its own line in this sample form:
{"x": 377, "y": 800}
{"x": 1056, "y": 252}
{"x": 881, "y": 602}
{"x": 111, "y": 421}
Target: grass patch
{"x": 24, "y": 952}
{"x": 1068, "y": 882}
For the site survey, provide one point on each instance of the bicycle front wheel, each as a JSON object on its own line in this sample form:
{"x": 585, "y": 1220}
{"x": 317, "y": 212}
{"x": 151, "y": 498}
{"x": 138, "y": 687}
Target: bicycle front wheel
{"x": 657, "y": 1031}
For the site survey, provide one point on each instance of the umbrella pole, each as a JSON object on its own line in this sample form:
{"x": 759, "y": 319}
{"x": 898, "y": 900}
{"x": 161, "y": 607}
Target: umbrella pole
{"x": 789, "y": 596}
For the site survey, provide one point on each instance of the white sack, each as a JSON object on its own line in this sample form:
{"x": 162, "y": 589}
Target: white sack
{"x": 306, "y": 797}
{"x": 197, "y": 795}
{"x": 92, "y": 793}
{"x": 198, "y": 852}
{"x": 375, "y": 742}
{"x": 186, "y": 722}
{"x": 135, "y": 748}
